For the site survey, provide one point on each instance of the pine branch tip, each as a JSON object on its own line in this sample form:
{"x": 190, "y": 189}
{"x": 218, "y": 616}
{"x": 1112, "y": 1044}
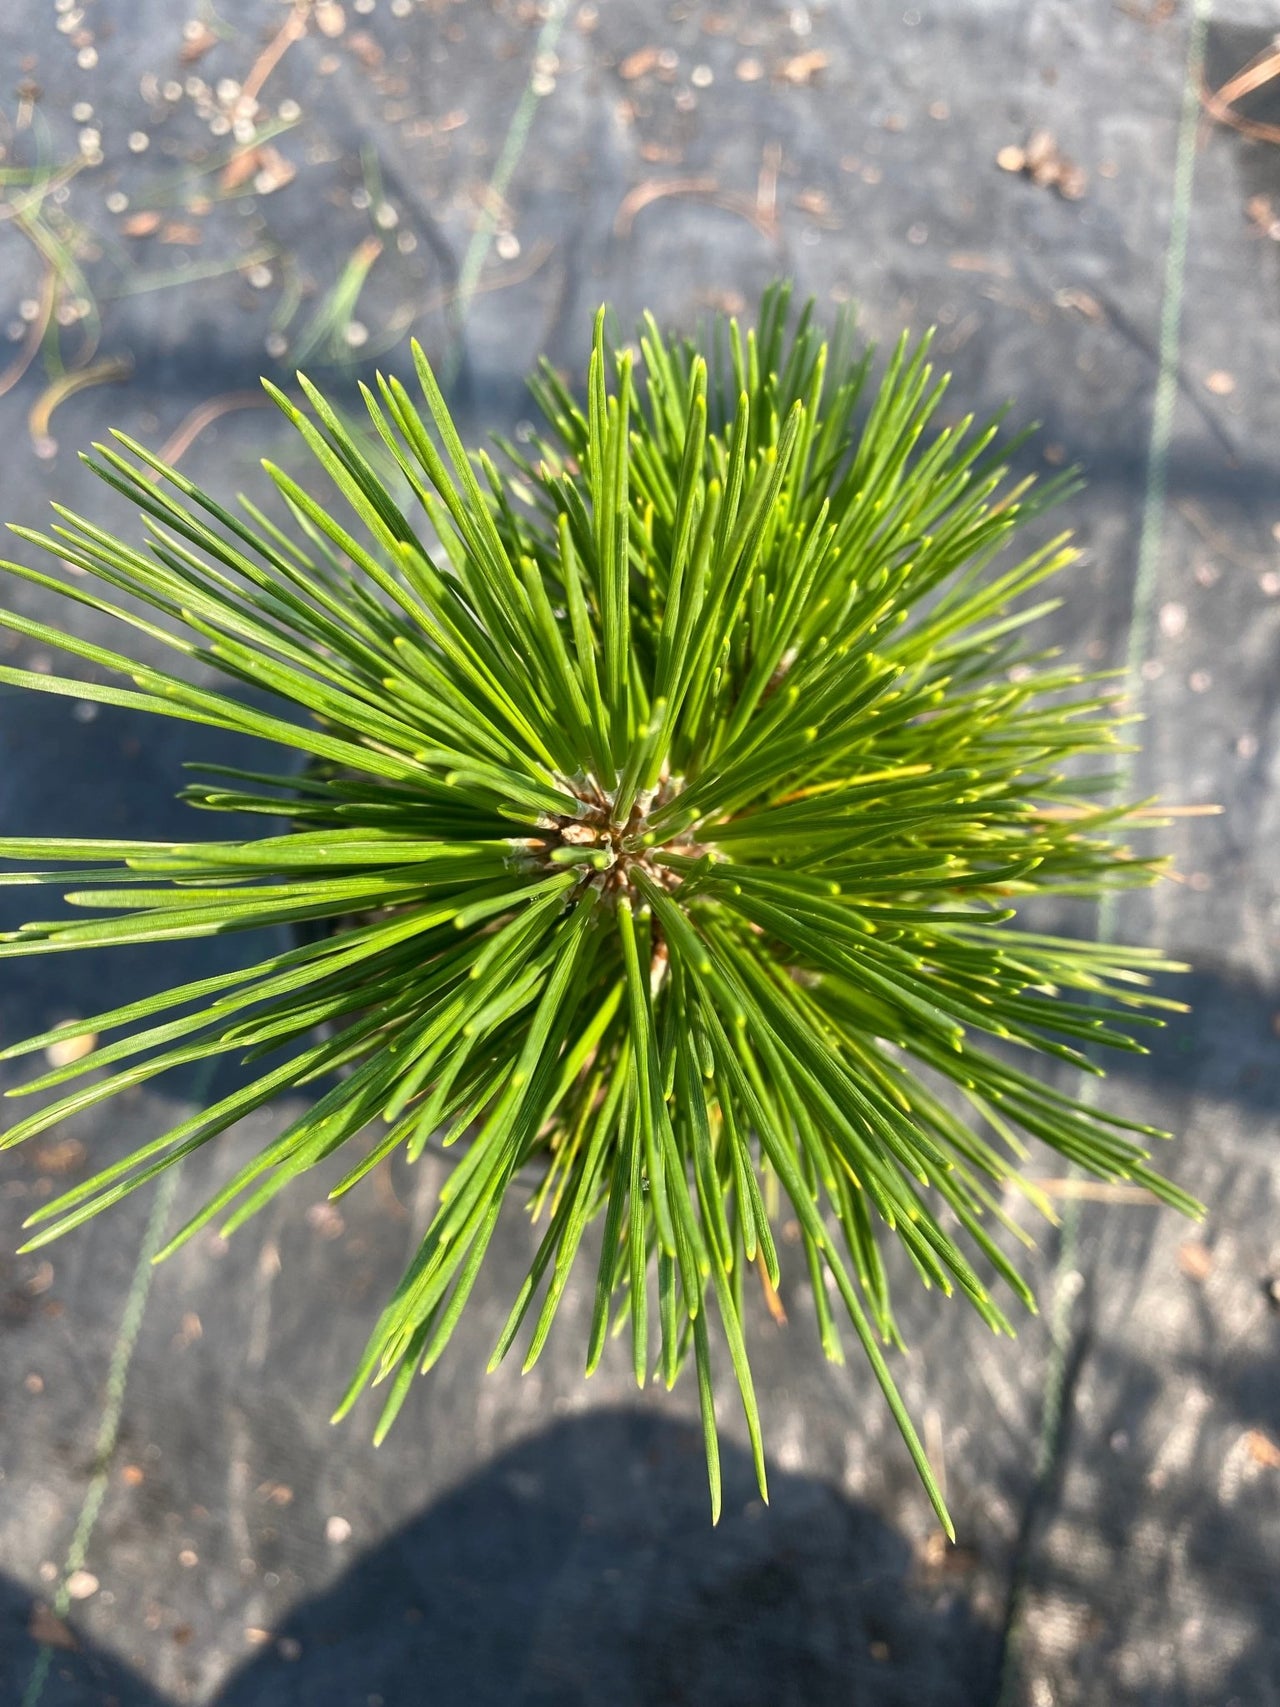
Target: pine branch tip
{"x": 719, "y": 667}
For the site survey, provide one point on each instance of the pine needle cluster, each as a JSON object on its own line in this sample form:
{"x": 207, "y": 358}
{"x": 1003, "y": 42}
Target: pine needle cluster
{"x": 655, "y": 811}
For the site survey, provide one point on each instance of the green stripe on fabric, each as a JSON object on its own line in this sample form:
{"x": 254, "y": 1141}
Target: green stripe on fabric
{"x": 1066, "y": 1285}
{"x": 509, "y": 158}
{"x": 108, "y": 1430}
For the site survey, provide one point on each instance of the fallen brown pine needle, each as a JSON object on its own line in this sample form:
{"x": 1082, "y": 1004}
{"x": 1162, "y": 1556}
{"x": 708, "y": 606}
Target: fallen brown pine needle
{"x": 772, "y": 1301}
{"x": 704, "y": 189}
{"x": 1220, "y": 103}
{"x": 35, "y": 332}
{"x": 204, "y": 415}
{"x": 105, "y": 372}
{"x": 293, "y": 29}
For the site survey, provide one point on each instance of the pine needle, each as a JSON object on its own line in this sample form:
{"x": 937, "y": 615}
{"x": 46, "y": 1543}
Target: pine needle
{"x": 661, "y": 838}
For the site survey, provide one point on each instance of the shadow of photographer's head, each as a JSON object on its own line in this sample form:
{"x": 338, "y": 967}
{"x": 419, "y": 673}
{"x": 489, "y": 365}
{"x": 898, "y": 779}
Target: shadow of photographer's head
{"x": 581, "y": 1567}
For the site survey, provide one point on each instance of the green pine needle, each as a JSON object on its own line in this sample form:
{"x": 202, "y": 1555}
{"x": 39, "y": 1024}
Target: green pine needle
{"x": 659, "y": 818}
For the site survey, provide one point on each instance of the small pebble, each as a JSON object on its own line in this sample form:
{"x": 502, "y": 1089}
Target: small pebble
{"x": 82, "y": 1584}
{"x": 1195, "y": 1259}
{"x": 336, "y": 1531}
{"x": 1173, "y": 620}
{"x": 330, "y": 20}
{"x": 1262, "y": 1449}
{"x": 326, "y": 1218}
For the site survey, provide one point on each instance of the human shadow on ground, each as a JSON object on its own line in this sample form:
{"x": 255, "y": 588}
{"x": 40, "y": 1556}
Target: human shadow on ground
{"x": 581, "y": 1567}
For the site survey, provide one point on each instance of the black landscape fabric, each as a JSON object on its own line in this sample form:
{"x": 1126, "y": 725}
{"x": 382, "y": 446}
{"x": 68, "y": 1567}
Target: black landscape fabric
{"x": 1096, "y": 235}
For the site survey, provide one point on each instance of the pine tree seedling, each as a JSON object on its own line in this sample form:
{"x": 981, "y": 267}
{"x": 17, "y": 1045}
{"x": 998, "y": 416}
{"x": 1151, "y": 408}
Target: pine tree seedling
{"x": 665, "y": 802}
